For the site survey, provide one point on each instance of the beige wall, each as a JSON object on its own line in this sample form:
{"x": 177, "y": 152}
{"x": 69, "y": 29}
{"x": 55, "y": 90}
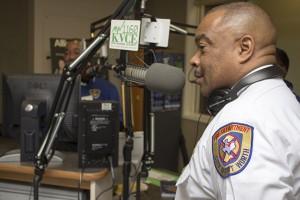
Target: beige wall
{"x": 15, "y": 34}
{"x": 286, "y": 17}
{"x": 71, "y": 18}
{"x": 192, "y": 131}
{"x": 174, "y": 10}
{"x": 67, "y": 19}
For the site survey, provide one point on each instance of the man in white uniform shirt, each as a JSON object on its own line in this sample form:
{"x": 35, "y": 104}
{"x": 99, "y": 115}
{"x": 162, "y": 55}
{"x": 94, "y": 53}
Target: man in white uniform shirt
{"x": 251, "y": 149}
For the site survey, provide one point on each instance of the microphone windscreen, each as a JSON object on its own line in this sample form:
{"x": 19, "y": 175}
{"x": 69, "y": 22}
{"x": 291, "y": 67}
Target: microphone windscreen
{"x": 164, "y": 78}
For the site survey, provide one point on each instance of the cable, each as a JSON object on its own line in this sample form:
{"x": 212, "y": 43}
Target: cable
{"x": 111, "y": 168}
{"x": 112, "y": 176}
{"x": 140, "y": 59}
{"x": 80, "y": 181}
{"x": 134, "y": 177}
{"x": 154, "y": 55}
{"x": 30, "y": 192}
{"x": 135, "y": 170}
{"x": 106, "y": 190}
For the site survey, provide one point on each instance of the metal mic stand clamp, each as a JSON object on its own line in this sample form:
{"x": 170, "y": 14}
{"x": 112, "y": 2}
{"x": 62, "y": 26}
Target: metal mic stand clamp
{"x": 127, "y": 155}
{"x": 57, "y": 114}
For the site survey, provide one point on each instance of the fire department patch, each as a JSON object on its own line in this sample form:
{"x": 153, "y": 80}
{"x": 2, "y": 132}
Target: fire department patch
{"x": 95, "y": 93}
{"x": 232, "y": 148}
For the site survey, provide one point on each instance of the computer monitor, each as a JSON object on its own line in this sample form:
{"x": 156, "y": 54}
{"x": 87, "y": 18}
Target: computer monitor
{"x": 38, "y": 90}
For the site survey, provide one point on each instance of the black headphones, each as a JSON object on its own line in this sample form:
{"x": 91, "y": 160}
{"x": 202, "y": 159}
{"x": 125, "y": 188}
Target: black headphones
{"x": 219, "y": 98}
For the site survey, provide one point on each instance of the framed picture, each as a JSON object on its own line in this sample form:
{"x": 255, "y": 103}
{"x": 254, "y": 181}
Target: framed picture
{"x": 58, "y": 49}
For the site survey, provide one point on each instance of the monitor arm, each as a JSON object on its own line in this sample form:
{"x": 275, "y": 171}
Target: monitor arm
{"x": 63, "y": 95}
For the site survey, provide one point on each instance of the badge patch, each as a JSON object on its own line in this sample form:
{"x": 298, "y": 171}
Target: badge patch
{"x": 232, "y": 148}
{"x": 95, "y": 93}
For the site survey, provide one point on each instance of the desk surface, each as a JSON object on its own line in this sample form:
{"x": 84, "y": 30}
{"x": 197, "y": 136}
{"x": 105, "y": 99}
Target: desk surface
{"x": 66, "y": 174}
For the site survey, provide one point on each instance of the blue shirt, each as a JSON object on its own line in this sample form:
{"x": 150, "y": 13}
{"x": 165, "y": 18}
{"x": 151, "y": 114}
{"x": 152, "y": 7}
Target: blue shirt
{"x": 100, "y": 89}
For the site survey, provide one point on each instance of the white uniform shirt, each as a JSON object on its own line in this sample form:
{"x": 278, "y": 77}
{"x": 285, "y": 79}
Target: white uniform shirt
{"x": 257, "y": 138}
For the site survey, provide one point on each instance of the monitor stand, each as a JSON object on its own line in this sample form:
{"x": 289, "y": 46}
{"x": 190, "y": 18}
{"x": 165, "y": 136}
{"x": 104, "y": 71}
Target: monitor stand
{"x": 13, "y": 156}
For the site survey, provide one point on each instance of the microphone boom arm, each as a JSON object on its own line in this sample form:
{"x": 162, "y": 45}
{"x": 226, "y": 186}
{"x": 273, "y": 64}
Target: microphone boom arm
{"x": 63, "y": 95}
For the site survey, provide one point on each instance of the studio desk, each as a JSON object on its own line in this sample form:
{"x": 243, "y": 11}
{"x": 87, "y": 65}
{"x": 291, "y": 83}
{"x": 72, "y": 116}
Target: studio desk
{"x": 60, "y": 181}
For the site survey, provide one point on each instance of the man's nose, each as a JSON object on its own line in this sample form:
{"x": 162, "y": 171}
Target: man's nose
{"x": 195, "y": 60}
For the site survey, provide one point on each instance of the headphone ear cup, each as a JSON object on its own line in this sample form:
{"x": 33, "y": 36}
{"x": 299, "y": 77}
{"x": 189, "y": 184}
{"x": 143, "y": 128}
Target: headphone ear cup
{"x": 217, "y": 100}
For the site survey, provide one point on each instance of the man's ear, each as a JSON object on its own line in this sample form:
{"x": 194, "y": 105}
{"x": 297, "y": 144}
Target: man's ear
{"x": 246, "y": 45}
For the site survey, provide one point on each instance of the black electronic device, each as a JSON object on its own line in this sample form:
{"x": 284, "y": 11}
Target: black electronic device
{"x": 98, "y": 133}
{"x": 219, "y": 98}
{"x": 27, "y": 100}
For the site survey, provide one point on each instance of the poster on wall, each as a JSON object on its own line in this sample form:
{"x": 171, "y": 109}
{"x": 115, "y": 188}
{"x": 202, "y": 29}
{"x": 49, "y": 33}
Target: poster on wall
{"x": 58, "y": 49}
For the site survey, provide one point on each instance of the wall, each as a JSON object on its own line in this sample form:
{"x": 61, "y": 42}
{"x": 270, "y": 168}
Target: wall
{"x": 71, "y": 18}
{"x": 15, "y": 37}
{"x": 286, "y": 18}
{"x": 170, "y": 9}
{"x": 64, "y": 18}
{"x": 14, "y": 19}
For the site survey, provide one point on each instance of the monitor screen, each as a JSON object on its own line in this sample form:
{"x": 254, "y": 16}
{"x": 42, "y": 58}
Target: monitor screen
{"x": 41, "y": 88}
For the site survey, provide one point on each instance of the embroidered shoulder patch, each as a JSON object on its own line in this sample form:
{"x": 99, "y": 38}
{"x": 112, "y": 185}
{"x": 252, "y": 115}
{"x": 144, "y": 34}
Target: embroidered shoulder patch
{"x": 232, "y": 148}
{"x": 95, "y": 93}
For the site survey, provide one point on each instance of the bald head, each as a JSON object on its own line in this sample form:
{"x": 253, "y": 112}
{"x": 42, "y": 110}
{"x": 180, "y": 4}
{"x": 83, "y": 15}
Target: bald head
{"x": 232, "y": 40}
{"x": 247, "y": 18}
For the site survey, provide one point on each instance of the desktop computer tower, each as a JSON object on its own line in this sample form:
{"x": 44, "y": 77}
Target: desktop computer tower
{"x": 98, "y": 133}
{"x": 32, "y": 113}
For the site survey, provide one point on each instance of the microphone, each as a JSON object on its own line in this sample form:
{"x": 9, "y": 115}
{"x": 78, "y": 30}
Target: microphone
{"x": 158, "y": 77}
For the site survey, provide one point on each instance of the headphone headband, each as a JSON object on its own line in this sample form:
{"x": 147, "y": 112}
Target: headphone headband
{"x": 262, "y": 74}
{"x": 219, "y": 98}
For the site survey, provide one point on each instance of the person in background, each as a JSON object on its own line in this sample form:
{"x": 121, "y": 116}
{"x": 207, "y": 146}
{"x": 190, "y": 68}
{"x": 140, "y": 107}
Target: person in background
{"x": 93, "y": 87}
{"x": 283, "y": 62}
{"x": 250, "y": 150}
